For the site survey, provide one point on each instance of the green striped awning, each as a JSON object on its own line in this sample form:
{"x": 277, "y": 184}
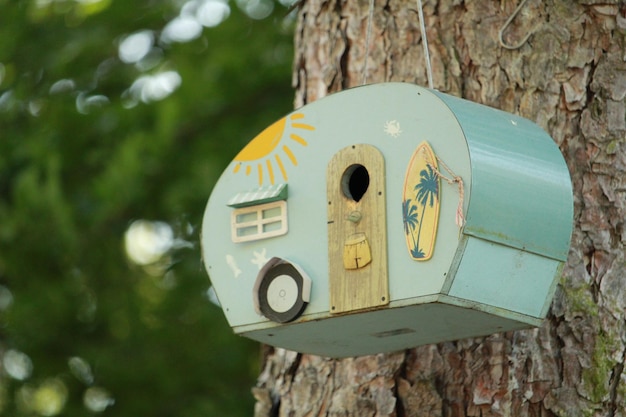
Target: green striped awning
{"x": 259, "y": 196}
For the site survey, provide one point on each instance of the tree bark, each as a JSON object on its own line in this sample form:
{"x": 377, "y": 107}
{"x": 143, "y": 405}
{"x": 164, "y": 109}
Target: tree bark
{"x": 570, "y": 78}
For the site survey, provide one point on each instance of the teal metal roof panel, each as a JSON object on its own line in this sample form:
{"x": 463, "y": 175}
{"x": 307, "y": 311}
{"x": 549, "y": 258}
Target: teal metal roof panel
{"x": 521, "y": 193}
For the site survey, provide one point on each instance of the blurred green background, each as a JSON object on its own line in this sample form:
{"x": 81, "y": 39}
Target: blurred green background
{"x": 116, "y": 119}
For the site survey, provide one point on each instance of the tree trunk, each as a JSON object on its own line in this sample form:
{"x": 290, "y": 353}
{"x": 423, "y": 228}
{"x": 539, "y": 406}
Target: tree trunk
{"x": 570, "y": 78}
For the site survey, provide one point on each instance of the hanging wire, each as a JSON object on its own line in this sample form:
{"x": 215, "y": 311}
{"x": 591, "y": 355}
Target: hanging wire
{"x": 429, "y": 70}
{"x": 507, "y": 23}
{"x": 370, "y": 17}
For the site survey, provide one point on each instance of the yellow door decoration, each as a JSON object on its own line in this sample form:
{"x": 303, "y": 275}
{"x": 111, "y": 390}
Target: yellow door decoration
{"x": 420, "y": 203}
{"x": 356, "y": 252}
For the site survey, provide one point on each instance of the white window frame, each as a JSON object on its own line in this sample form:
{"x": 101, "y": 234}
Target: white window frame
{"x": 259, "y": 222}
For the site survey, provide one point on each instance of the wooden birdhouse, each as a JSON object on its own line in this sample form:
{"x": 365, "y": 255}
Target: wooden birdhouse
{"x": 385, "y": 217}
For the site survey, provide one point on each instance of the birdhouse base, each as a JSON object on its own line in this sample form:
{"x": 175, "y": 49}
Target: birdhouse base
{"x": 405, "y": 324}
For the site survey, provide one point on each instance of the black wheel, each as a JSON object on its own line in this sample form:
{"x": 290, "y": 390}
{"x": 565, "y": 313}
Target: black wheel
{"x": 280, "y": 293}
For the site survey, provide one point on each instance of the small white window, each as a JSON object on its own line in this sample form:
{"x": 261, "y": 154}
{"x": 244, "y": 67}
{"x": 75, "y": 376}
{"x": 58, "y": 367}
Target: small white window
{"x": 259, "y": 222}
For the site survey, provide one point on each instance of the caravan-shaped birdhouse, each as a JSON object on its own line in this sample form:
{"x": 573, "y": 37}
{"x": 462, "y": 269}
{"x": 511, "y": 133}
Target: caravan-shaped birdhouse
{"x": 385, "y": 217}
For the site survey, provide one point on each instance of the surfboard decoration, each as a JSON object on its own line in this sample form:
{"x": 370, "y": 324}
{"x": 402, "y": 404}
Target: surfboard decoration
{"x": 420, "y": 203}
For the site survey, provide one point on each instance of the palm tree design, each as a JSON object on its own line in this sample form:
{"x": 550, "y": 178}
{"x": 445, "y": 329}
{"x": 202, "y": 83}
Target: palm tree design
{"x": 427, "y": 191}
{"x": 409, "y": 218}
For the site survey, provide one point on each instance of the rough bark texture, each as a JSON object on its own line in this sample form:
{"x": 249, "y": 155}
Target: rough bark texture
{"x": 570, "y": 78}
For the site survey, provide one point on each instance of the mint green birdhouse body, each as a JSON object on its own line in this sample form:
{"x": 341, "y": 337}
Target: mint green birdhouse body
{"x": 385, "y": 217}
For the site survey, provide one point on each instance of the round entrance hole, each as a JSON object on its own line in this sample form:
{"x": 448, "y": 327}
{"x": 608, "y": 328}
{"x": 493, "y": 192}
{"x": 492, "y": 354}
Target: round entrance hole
{"x": 355, "y": 181}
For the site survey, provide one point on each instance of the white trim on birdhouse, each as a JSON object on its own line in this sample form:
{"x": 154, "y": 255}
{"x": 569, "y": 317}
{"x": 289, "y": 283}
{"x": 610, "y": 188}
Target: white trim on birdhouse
{"x": 259, "y": 222}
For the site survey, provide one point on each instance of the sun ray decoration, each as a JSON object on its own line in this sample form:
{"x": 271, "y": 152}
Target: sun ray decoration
{"x": 260, "y": 149}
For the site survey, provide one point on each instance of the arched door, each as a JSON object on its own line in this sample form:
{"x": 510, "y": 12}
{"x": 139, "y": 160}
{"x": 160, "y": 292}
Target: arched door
{"x": 357, "y": 231}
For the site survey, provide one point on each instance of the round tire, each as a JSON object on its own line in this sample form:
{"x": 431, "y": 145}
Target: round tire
{"x": 280, "y": 293}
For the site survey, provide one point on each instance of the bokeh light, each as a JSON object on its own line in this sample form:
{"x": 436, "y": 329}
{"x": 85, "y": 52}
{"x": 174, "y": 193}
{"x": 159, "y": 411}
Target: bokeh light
{"x": 181, "y": 29}
{"x": 85, "y": 104}
{"x": 47, "y": 399}
{"x": 65, "y": 85}
{"x": 81, "y": 370}
{"x": 149, "y": 88}
{"x": 17, "y": 364}
{"x": 135, "y": 47}
{"x": 6, "y": 298}
{"x": 147, "y": 241}
{"x": 256, "y": 9}
{"x": 213, "y": 12}
{"x": 97, "y": 399}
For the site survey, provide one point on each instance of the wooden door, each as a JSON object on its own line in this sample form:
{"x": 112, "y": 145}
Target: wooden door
{"x": 357, "y": 229}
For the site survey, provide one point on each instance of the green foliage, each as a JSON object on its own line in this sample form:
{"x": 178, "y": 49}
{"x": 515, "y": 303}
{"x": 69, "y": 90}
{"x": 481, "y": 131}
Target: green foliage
{"x": 83, "y": 329}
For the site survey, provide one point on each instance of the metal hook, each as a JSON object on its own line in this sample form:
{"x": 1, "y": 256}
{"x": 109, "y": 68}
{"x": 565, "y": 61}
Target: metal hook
{"x": 507, "y": 23}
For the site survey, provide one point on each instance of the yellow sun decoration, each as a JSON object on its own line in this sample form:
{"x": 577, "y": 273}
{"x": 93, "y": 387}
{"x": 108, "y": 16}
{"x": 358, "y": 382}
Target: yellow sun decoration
{"x": 259, "y": 151}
